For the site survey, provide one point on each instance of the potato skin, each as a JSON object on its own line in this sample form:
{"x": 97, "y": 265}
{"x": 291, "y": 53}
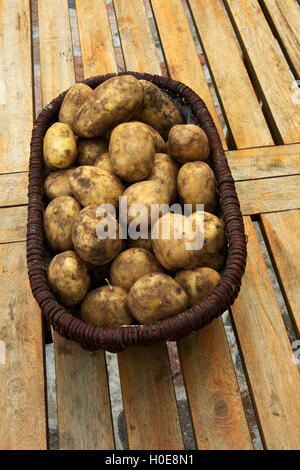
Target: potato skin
{"x": 114, "y": 101}
{"x": 141, "y": 242}
{"x": 132, "y": 264}
{"x": 91, "y": 185}
{"x": 103, "y": 162}
{"x": 131, "y": 151}
{"x": 165, "y": 171}
{"x": 214, "y": 251}
{"x": 160, "y": 145}
{"x": 57, "y": 184}
{"x": 155, "y": 297}
{"x": 196, "y": 185}
{"x": 88, "y": 245}
{"x": 59, "y": 218}
{"x": 158, "y": 111}
{"x": 88, "y": 150}
{"x": 197, "y": 283}
{"x": 68, "y": 278}
{"x": 74, "y": 98}
{"x": 106, "y": 306}
{"x": 187, "y": 142}
{"x": 59, "y": 146}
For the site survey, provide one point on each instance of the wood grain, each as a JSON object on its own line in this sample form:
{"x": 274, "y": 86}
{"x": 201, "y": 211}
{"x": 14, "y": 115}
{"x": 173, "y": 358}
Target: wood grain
{"x": 268, "y": 68}
{"x": 13, "y": 189}
{"x": 98, "y": 54}
{"x": 181, "y": 56}
{"x": 244, "y": 116}
{"x": 283, "y": 234}
{"x": 16, "y": 86}
{"x": 13, "y": 226}
{"x": 273, "y": 376}
{"x": 149, "y": 399}
{"x": 212, "y": 387}
{"x": 22, "y": 383}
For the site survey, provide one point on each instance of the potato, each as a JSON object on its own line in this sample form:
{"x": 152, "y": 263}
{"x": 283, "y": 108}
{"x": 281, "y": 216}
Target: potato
{"x": 214, "y": 251}
{"x": 158, "y": 111}
{"x": 197, "y": 283}
{"x": 103, "y": 162}
{"x": 196, "y": 185}
{"x": 106, "y": 306}
{"x": 132, "y": 264}
{"x": 57, "y": 184}
{"x": 131, "y": 151}
{"x": 155, "y": 297}
{"x": 74, "y": 98}
{"x": 86, "y": 239}
{"x": 159, "y": 144}
{"x": 165, "y": 171}
{"x": 59, "y": 147}
{"x": 91, "y": 185}
{"x": 89, "y": 150}
{"x": 146, "y": 193}
{"x": 188, "y": 142}
{"x": 68, "y": 278}
{"x": 59, "y": 218}
{"x": 114, "y": 101}
{"x": 140, "y": 242}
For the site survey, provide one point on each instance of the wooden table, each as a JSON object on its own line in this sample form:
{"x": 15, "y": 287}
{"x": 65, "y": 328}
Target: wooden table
{"x": 257, "y": 90}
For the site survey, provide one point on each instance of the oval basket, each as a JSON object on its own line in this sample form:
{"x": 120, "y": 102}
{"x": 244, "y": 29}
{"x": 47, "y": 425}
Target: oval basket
{"x": 93, "y": 337}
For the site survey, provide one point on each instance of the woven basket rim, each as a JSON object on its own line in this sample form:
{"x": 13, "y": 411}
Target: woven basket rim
{"x": 92, "y": 337}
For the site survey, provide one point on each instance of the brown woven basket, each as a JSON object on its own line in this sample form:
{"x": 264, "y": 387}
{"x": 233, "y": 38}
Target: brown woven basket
{"x": 93, "y": 337}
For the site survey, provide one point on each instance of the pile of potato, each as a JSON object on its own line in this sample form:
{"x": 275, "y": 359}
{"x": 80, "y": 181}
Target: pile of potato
{"x": 126, "y": 138}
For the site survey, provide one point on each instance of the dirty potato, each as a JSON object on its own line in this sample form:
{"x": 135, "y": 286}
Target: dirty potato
{"x": 114, "y": 101}
{"x": 145, "y": 243}
{"x": 214, "y": 251}
{"x": 196, "y": 185}
{"x": 131, "y": 151}
{"x": 68, "y": 278}
{"x": 103, "y": 162}
{"x": 106, "y": 306}
{"x": 88, "y": 150}
{"x": 165, "y": 171}
{"x": 132, "y": 264}
{"x": 91, "y": 185}
{"x": 96, "y": 237}
{"x": 57, "y": 184}
{"x": 160, "y": 145}
{"x": 59, "y": 147}
{"x": 197, "y": 283}
{"x": 188, "y": 142}
{"x": 74, "y": 98}
{"x": 155, "y": 297}
{"x": 59, "y": 218}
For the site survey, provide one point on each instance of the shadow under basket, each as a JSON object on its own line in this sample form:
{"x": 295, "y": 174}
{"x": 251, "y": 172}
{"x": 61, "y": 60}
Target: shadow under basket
{"x": 221, "y": 298}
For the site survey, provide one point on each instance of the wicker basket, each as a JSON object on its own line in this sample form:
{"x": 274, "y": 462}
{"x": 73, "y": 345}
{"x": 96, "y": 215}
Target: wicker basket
{"x": 93, "y": 337}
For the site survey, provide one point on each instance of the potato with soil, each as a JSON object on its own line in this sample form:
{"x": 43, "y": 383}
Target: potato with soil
{"x": 132, "y": 264}
{"x": 74, "y": 98}
{"x": 88, "y": 150}
{"x": 106, "y": 306}
{"x": 60, "y": 149}
{"x": 197, "y": 283}
{"x": 103, "y": 162}
{"x": 158, "y": 111}
{"x": 214, "y": 251}
{"x": 145, "y": 243}
{"x": 96, "y": 237}
{"x": 165, "y": 171}
{"x": 131, "y": 151}
{"x": 91, "y": 185}
{"x": 155, "y": 297}
{"x": 59, "y": 218}
{"x": 160, "y": 145}
{"x": 196, "y": 185}
{"x": 188, "y": 142}
{"x": 68, "y": 278}
{"x": 57, "y": 184}
{"x": 116, "y": 100}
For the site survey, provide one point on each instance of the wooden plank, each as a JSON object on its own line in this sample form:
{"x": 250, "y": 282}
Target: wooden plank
{"x": 16, "y": 86}
{"x": 212, "y": 387}
{"x": 284, "y": 17}
{"x": 182, "y": 60}
{"x": 149, "y": 399}
{"x": 76, "y": 386}
{"x": 269, "y": 194}
{"x": 244, "y": 116}
{"x": 13, "y": 224}
{"x": 264, "y": 162}
{"x": 13, "y": 189}
{"x": 22, "y": 383}
{"x": 273, "y": 376}
{"x": 268, "y": 68}
{"x": 98, "y": 54}
{"x": 283, "y": 234}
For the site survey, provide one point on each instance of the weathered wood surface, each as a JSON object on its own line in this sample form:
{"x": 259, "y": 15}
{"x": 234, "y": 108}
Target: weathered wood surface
{"x": 13, "y": 224}
{"x": 13, "y": 189}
